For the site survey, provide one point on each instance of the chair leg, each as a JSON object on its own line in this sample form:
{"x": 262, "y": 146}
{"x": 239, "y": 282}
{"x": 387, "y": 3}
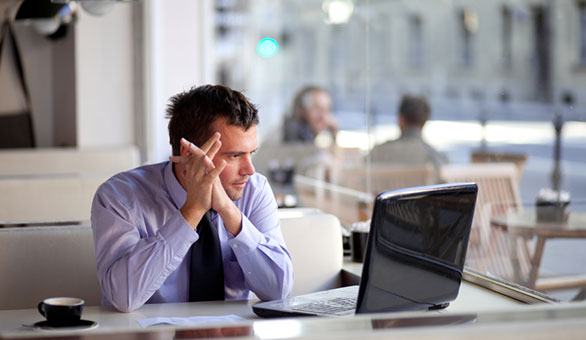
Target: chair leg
{"x": 581, "y": 295}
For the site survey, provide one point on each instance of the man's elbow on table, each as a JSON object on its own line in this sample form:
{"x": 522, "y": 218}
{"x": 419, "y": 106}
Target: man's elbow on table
{"x": 284, "y": 289}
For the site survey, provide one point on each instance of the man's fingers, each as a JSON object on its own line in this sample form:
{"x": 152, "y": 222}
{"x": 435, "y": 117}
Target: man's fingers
{"x": 209, "y": 165}
{"x": 179, "y": 159}
{"x": 210, "y": 142}
{"x": 191, "y": 148}
{"x": 214, "y": 149}
{"x": 219, "y": 168}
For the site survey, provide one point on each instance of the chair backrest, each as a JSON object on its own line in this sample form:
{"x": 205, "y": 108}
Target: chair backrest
{"x": 314, "y": 240}
{"x": 46, "y": 161}
{"x": 41, "y": 262}
{"x": 518, "y": 159}
{"x": 383, "y": 177}
{"x": 40, "y": 198}
{"x": 303, "y": 157}
{"x": 348, "y": 204}
{"x": 498, "y": 192}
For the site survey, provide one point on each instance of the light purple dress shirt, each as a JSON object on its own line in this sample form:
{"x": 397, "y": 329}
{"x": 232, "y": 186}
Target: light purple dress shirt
{"x": 142, "y": 241}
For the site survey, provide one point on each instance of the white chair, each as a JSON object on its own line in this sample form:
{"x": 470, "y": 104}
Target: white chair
{"x": 41, "y": 262}
{"x": 48, "y": 198}
{"x": 314, "y": 240}
{"x": 46, "y": 161}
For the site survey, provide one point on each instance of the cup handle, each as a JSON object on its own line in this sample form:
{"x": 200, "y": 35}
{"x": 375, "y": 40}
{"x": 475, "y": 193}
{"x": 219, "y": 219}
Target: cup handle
{"x": 40, "y": 308}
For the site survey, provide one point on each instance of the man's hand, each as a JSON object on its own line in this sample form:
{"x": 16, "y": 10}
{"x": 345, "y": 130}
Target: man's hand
{"x": 218, "y": 198}
{"x": 199, "y": 174}
{"x": 230, "y": 213}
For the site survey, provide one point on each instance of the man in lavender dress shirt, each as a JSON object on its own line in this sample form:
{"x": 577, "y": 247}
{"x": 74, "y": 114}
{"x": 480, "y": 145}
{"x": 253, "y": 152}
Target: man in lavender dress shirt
{"x": 144, "y": 220}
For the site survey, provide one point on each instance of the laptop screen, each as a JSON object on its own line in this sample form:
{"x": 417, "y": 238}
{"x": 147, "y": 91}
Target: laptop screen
{"x": 417, "y": 247}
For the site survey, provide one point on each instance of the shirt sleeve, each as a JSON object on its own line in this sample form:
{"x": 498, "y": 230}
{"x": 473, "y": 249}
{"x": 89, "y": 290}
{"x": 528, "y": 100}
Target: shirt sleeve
{"x": 132, "y": 268}
{"x": 261, "y": 252}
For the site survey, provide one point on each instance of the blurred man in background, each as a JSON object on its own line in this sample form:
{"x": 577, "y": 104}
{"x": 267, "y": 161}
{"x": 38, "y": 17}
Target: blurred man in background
{"x": 410, "y": 148}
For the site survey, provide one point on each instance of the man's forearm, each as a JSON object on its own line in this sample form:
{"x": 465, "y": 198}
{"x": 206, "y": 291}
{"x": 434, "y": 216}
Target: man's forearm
{"x": 232, "y": 217}
{"x": 131, "y": 269}
{"x": 264, "y": 261}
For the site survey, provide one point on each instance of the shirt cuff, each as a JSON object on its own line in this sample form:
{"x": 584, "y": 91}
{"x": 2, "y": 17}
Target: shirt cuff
{"x": 178, "y": 233}
{"x": 247, "y": 240}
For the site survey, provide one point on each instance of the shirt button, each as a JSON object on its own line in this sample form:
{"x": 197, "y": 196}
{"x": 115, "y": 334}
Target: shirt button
{"x": 249, "y": 273}
{"x": 235, "y": 246}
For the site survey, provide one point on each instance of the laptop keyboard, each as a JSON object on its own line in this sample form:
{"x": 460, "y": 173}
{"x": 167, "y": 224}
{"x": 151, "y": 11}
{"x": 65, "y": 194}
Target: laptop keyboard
{"x": 335, "y": 306}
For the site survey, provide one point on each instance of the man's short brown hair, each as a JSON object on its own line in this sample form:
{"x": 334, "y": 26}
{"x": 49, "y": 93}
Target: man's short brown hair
{"x": 415, "y": 110}
{"x": 192, "y": 113}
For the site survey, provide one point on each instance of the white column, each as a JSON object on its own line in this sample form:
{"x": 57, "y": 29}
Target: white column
{"x": 104, "y": 78}
{"x": 178, "y": 36}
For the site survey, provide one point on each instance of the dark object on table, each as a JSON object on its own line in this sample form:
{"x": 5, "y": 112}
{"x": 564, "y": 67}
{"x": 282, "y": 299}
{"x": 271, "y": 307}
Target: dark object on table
{"x": 551, "y": 206}
{"x": 61, "y": 311}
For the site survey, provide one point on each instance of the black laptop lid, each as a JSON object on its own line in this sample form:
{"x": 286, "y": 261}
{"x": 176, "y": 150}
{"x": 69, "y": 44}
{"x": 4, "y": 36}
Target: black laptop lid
{"x": 416, "y": 248}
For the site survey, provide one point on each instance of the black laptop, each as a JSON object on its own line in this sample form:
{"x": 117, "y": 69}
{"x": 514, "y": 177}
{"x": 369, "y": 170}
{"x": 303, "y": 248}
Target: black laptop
{"x": 414, "y": 258}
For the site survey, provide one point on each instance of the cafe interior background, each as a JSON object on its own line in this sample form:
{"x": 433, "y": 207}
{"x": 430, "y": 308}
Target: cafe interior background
{"x": 506, "y": 81}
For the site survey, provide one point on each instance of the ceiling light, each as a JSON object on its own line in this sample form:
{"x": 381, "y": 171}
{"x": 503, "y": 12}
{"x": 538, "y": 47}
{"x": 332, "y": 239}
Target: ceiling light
{"x": 338, "y": 11}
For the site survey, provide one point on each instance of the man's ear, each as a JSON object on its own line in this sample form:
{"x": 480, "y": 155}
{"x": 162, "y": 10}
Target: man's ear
{"x": 183, "y": 151}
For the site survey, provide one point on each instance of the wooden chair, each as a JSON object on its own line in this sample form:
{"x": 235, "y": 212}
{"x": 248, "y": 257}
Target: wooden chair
{"x": 383, "y": 177}
{"x": 492, "y": 249}
{"x": 518, "y": 159}
{"x": 489, "y": 249}
{"x": 342, "y": 191}
{"x": 347, "y": 204}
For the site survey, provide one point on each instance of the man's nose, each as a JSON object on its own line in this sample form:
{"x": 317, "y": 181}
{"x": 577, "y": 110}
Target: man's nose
{"x": 248, "y": 168}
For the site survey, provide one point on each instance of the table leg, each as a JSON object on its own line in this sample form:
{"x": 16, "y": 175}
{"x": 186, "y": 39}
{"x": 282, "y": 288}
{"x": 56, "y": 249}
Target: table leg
{"x": 536, "y": 261}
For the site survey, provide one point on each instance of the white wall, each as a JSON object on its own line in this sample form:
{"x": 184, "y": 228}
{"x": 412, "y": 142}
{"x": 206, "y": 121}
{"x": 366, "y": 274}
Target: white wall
{"x": 104, "y": 78}
{"x": 177, "y": 34}
{"x": 36, "y": 53}
{"x": 100, "y": 96}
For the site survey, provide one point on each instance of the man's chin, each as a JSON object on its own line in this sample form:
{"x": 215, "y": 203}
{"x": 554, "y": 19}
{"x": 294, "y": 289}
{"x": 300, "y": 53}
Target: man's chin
{"x": 234, "y": 195}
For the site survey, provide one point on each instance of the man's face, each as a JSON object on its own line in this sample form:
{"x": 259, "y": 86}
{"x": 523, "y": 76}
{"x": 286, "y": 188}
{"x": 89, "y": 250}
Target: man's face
{"x": 319, "y": 112}
{"x": 237, "y": 148}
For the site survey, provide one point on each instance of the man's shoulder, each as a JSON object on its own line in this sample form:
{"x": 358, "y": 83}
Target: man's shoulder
{"x": 390, "y": 145}
{"x": 257, "y": 181}
{"x": 150, "y": 175}
{"x": 257, "y": 188}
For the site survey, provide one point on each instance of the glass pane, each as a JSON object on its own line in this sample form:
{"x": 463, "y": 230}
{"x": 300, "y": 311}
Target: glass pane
{"x": 502, "y": 80}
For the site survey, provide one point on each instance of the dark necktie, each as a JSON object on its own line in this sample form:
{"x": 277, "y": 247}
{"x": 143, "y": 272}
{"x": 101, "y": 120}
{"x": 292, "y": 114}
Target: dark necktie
{"x": 206, "y": 278}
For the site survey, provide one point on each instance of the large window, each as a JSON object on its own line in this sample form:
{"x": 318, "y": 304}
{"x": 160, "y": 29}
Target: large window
{"x": 582, "y": 33}
{"x": 507, "y": 38}
{"x": 493, "y": 127}
{"x": 468, "y": 28}
{"x": 416, "y": 51}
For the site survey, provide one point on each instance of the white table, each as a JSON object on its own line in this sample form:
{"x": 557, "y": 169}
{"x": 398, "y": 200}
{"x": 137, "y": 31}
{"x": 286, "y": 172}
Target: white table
{"x": 525, "y": 320}
{"x": 488, "y": 307}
